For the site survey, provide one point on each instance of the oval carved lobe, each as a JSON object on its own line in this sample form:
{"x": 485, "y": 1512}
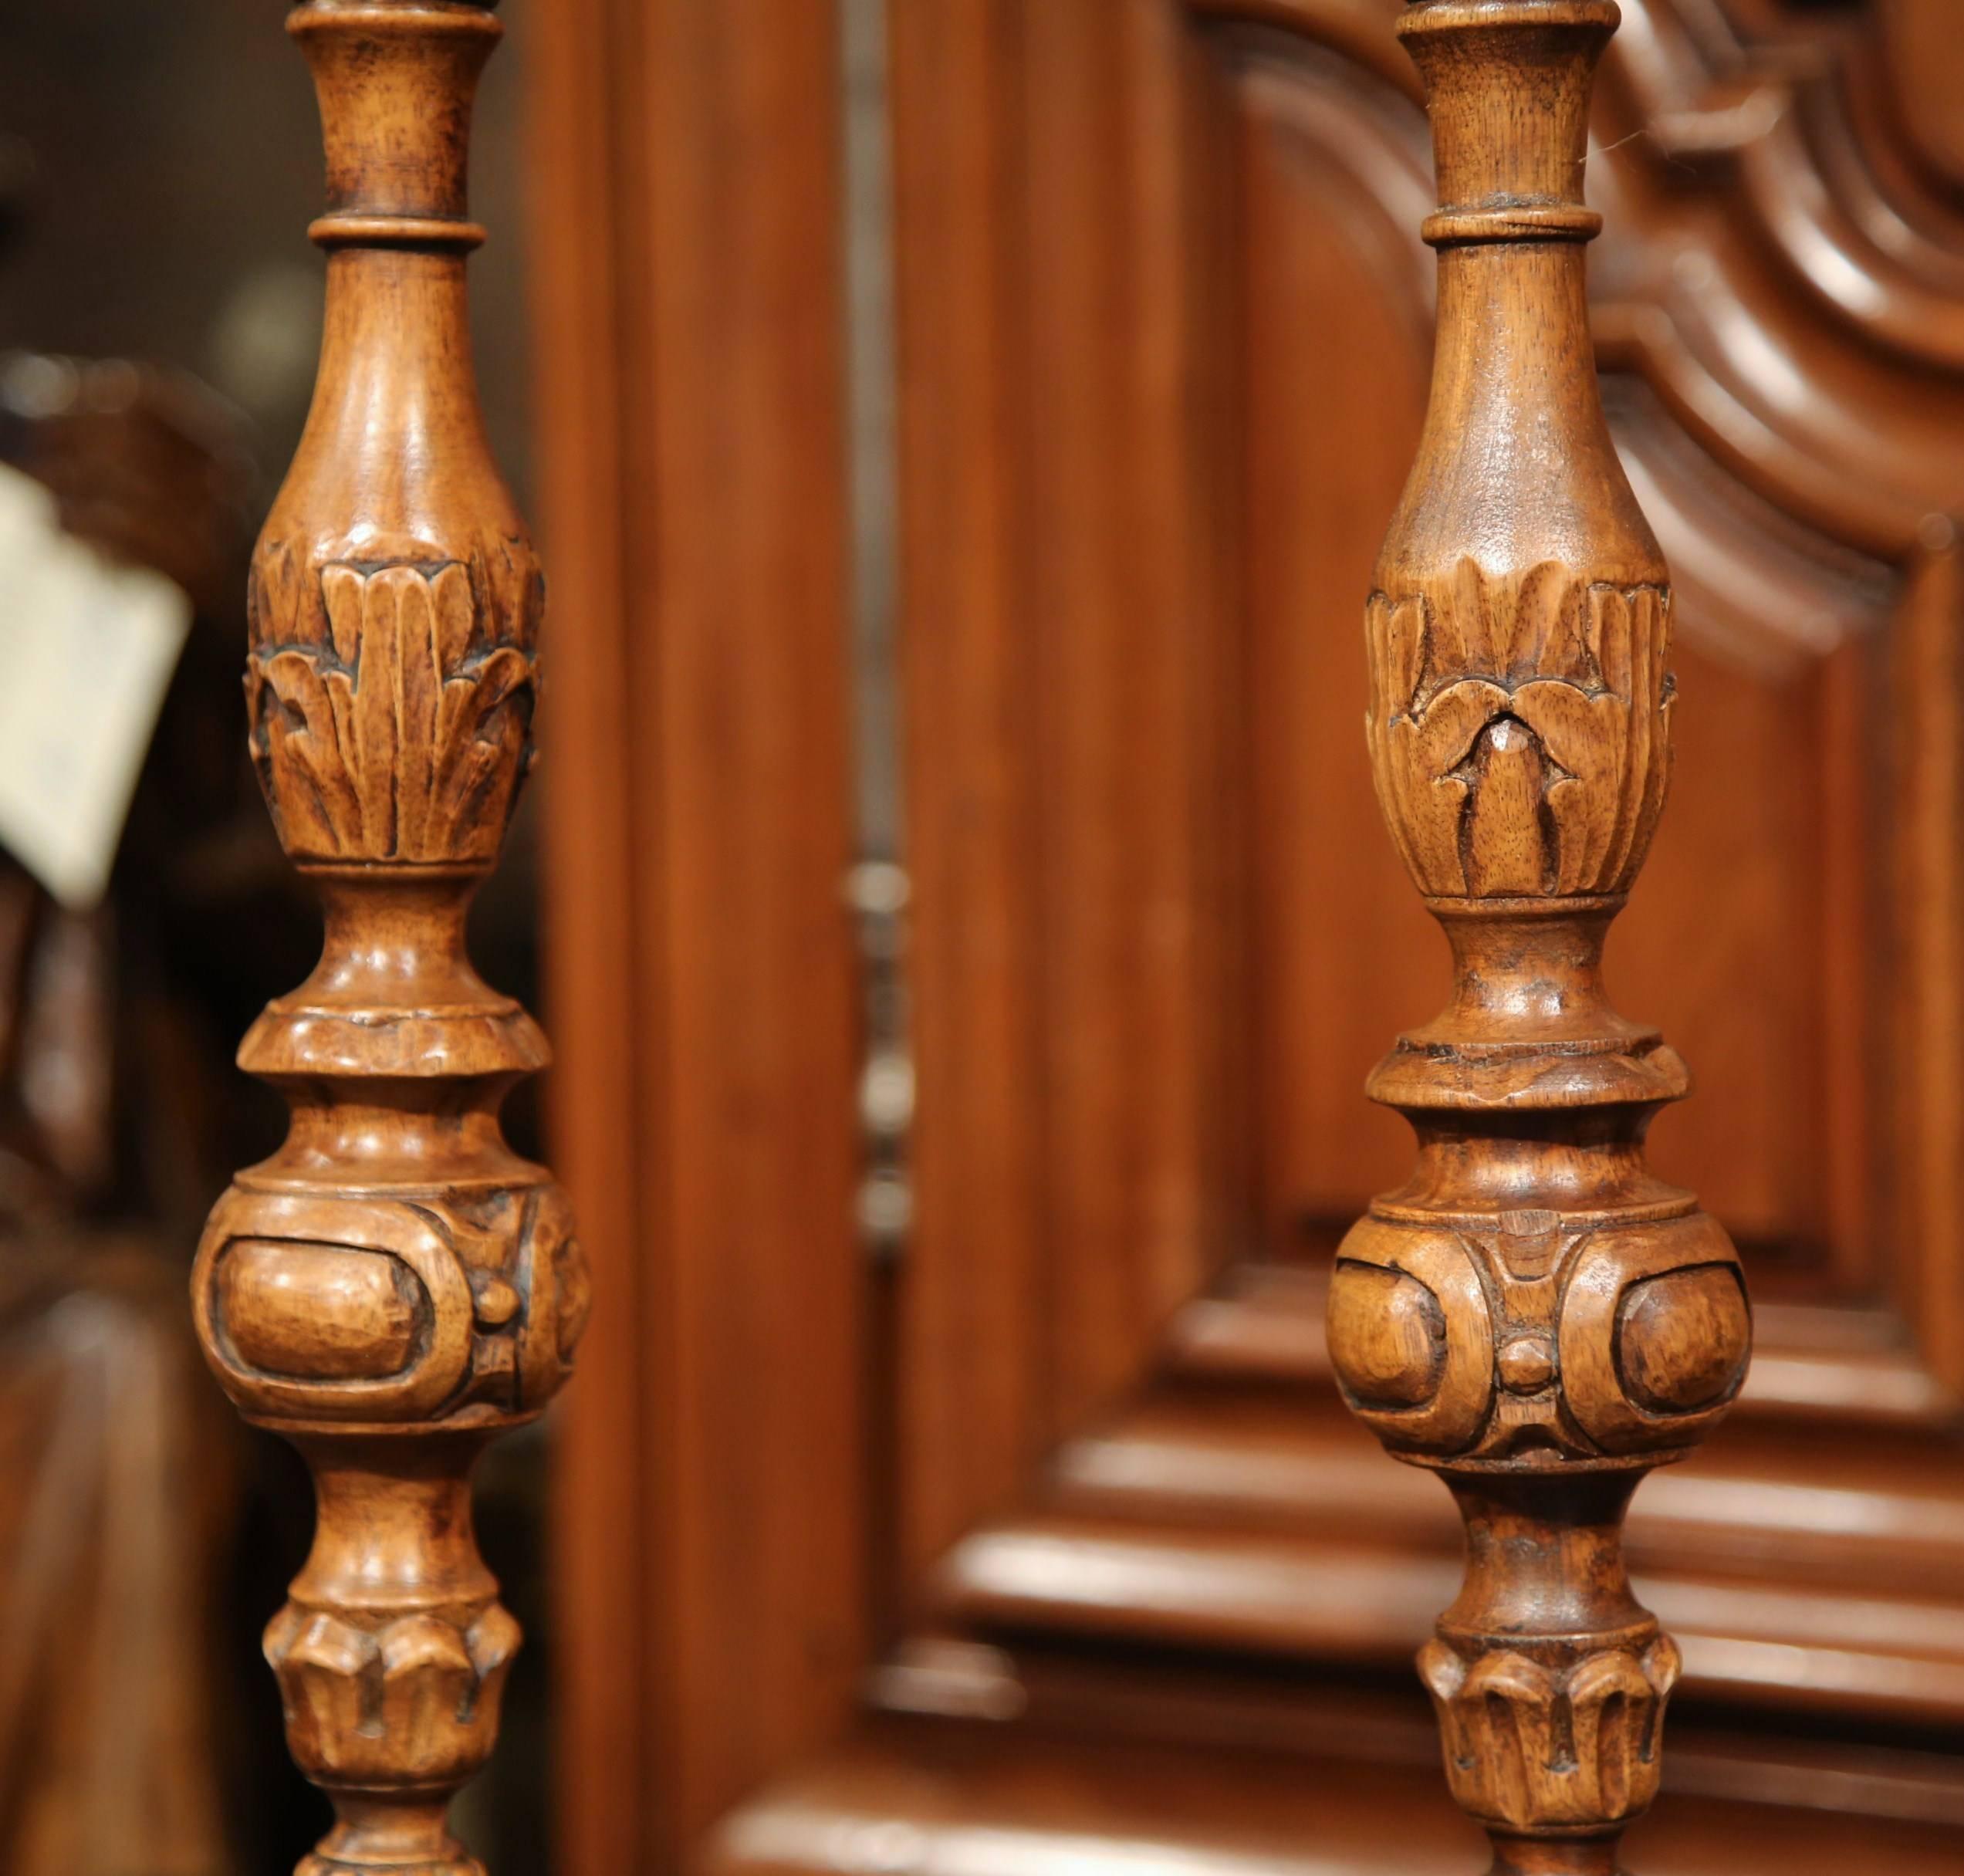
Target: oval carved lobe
{"x": 1387, "y": 1335}
{"x": 1682, "y": 1338}
{"x": 316, "y": 1312}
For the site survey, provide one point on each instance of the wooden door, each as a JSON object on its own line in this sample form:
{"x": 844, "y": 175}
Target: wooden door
{"x": 1077, "y": 1491}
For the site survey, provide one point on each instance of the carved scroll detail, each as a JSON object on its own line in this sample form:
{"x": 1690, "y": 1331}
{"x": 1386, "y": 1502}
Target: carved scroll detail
{"x": 1589, "y": 1340}
{"x": 371, "y": 1309}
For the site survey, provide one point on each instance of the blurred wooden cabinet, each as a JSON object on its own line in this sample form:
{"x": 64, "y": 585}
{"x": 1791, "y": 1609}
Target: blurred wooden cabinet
{"x": 1056, "y": 1530}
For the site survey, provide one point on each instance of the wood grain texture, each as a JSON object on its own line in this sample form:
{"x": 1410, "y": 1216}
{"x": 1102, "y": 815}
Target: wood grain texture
{"x": 395, "y": 1287}
{"x": 1927, "y": 1138}
{"x": 1322, "y": 167}
{"x": 1137, "y": 675}
{"x": 1785, "y": 639}
{"x": 700, "y": 960}
{"x": 604, "y": 1609}
{"x": 1072, "y": 691}
{"x": 1781, "y": 631}
{"x": 1778, "y": 630}
{"x": 974, "y": 1416}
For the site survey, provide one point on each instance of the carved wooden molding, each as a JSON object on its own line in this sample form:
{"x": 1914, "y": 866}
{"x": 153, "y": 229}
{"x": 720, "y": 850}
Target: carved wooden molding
{"x": 1533, "y": 1314}
{"x": 395, "y": 1287}
{"x": 1747, "y": 163}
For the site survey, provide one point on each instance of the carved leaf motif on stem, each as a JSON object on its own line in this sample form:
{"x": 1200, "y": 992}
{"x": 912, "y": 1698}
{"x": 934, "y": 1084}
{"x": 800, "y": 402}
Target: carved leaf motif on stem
{"x": 1519, "y": 733}
{"x": 391, "y": 705}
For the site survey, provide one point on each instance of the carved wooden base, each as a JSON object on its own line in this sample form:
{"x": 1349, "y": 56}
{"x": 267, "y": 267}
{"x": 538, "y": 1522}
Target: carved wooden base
{"x": 1572, "y": 1856}
{"x": 1550, "y": 1679}
{"x": 393, "y": 1648}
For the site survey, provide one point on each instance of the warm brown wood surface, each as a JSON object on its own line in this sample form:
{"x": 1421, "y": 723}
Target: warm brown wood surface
{"x": 1233, "y": 1506}
{"x": 395, "y": 1287}
{"x": 1067, "y": 717}
{"x": 1114, "y": 1447}
{"x": 1533, "y": 1313}
{"x": 712, "y": 1495}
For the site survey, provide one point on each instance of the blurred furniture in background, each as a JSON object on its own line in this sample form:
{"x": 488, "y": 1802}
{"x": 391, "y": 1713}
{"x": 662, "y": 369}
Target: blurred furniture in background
{"x": 1049, "y": 1545}
{"x": 117, "y": 1501}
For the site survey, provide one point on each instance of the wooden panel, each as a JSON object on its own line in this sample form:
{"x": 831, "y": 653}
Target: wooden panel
{"x": 1071, "y": 679}
{"x": 1926, "y": 66}
{"x": 1161, "y": 318}
{"x": 1129, "y": 583}
{"x": 712, "y": 1602}
{"x": 1236, "y": 1507}
{"x": 601, "y": 1586}
{"x": 973, "y": 1402}
{"x": 1332, "y": 180}
{"x": 1190, "y": 1528}
{"x": 1740, "y": 971}
{"x": 1927, "y": 1136}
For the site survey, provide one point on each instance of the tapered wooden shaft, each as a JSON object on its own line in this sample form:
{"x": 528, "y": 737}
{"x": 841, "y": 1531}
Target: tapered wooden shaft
{"x": 395, "y": 1285}
{"x": 1534, "y": 1315}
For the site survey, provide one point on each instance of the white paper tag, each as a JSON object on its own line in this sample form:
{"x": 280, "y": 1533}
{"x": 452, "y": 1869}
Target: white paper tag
{"x": 86, "y": 652}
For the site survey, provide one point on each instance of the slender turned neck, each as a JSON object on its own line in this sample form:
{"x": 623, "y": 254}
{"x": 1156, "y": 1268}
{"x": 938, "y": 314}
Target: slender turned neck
{"x": 1526, "y": 395}
{"x": 1530, "y": 969}
{"x": 396, "y": 82}
{"x": 390, "y": 1833}
{"x": 1507, "y": 85}
{"x": 1518, "y": 1584}
{"x": 1553, "y": 1856}
{"x": 395, "y": 939}
{"x": 410, "y": 71}
{"x": 394, "y": 1531}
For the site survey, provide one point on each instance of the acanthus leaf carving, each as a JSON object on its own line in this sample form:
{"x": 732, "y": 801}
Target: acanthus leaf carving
{"x": 390, "y": 705}
{"x": 1520, "y": 733}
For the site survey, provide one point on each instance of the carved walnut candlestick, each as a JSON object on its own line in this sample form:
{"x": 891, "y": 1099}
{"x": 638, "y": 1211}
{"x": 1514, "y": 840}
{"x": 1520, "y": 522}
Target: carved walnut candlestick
{"x": 1534, "y": 1315}
{"x": 395, "y": 1285}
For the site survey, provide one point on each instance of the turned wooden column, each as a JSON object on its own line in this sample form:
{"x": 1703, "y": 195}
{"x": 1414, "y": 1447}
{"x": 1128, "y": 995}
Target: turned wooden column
{"x": 395, "y": 1287}
{"x": 1534, "y": 1315}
